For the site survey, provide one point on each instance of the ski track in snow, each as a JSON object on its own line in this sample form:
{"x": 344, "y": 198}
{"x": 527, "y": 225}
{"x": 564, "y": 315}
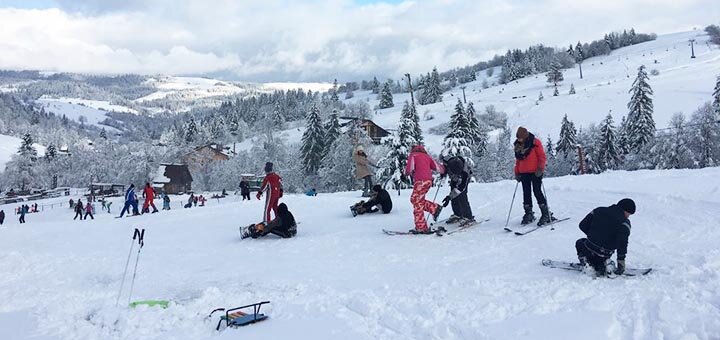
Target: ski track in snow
{"x": 342, "y": 277}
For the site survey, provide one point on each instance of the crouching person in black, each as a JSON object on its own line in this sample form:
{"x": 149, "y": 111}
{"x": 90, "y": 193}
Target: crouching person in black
{"x": 607, "y": 230}
{"x": 459, "y": 179}
{"x": 283, "y": 225}
{"x": 380, "y": 201}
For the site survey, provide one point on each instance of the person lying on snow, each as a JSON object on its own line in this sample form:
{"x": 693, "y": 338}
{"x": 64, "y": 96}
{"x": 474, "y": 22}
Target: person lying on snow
{"x": 380, "y": 201}
{"x": 607, "y": 229}
{"x": 283, "y": 225}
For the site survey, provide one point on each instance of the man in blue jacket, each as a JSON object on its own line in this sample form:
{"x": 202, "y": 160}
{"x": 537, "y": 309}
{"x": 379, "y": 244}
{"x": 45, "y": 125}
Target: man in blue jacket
{"x": 130, "y": 200}
{"x": 607, "y": 230}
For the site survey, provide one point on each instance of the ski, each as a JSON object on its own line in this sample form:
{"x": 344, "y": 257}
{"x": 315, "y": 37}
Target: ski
{"x": 521, "y": 233}
{"x": 461, "y": 227}
{"x": 396, "y": 232}
{"x": 579, "y": 267}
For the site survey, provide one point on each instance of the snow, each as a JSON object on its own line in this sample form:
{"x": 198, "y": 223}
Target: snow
{"x": 9, "y": 146}
{"x": 160, "y": 175}
{"x": 190, "y": 88}
{"x": 682, "y": 86}
{"x": 93, "y": 110}
{"x": 315, "y": 87}
{"x": 342, "y": 278}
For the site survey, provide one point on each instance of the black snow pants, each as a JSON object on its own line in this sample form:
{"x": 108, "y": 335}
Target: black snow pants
{"x": 531, "y": 181}
{"x": 461, "y": 206}
{"x": 78, "y": 213}
{"x": 592, "y": 254}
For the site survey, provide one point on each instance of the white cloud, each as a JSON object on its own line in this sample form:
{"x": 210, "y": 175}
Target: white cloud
{"x": 313, "y": 40}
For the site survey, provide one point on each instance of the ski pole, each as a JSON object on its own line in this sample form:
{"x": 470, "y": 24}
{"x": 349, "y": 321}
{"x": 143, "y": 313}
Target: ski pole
{"x": 122, "y": 283}
{"x": 507, "y": 222}
{"x": 427, "y": 215}
{"x": 547, "y": 201}
{"x": 141, "y": 242}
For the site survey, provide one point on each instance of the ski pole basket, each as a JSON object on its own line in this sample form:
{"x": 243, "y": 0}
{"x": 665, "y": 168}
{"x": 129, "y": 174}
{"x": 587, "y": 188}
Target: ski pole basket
{"x": 234, "y": 317}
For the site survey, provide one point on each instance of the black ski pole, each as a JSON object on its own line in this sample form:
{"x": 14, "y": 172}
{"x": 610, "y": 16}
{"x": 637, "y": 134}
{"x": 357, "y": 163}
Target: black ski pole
{"x": 122, "y": 283}
{"x": 507, "y": 222}
{"x": 427, "y": 215}
{"x": 141, "y": 243}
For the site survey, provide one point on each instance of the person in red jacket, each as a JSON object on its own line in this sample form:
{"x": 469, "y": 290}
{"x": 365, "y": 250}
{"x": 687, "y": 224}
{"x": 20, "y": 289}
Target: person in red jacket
{"x": 421, "y": 166}
{"x": 530, "y": 164}
{"x": 149, "y": 194}
{"x": 272, "y": 183}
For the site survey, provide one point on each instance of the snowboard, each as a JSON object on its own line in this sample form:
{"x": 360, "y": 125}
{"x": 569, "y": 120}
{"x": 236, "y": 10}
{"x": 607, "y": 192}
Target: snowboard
{"x": 460, "y": 228}
{"x": 578, "y": 267}
{"x": 530, "y": 229}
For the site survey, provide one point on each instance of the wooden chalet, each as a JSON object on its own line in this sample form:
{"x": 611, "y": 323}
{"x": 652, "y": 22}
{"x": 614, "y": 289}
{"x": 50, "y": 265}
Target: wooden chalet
{"x": 173, "y": 178}
{"x": 374, "y": 131}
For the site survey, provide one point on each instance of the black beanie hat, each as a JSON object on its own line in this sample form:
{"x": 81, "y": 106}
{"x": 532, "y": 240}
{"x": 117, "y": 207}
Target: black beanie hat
{"x": 376, "y": 188}
{"x": 627, "y": 205}
{"x": 268, "y": 167}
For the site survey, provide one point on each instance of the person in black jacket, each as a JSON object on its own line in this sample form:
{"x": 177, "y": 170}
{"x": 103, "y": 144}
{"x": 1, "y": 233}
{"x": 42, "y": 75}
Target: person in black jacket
{"x": 245, "y": 190}
{"x": 459, "y": 175}
{"x": 283, "y": 225}
{"x": 607, "y": 230}
{"x": 79, "y": 207}
{"x": 380, "y": 201}
{"x": 2, "y": 216}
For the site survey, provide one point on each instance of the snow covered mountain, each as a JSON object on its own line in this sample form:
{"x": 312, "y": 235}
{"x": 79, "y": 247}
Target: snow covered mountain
{"x": 342, "y": 277}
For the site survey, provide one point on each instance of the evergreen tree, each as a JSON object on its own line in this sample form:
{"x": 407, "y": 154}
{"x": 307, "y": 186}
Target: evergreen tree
{"x": 608, "y": 154}
{"x": 716, "y": 98}
{"x": 399, "y": 144}
{"x": 568, "y": 138}
{"x": 673, "y": 148}
{"x": 572, "y": 89}
{"x": 334, "y": 93}
{"x": 332, "y": 130}
{"x": 456, "y": 143}
{"x": 337, "y": 170}
{"x": 640, "y": 123}
{"x": 386, "y": 97}
{"x": 191, "y": 131}
{"x": 103, "y": 134}
{"x": 312, "y": 148}
{"x": 375, "y": 86}
{"x": 278, "y": 118}
{"x": 556, "y": 92}
{"x": 349, "y": 94}
{"x": 434, "y": 89}
{"x": 51, "y": 152}
{"x": 622, "y": 140}
{"x": 705, "y": 141}
{"x": 478, "y": 135}
{"x": 409, "y": 113}
{"x": 26, "y": 147}
{"x": 555, "y": 75}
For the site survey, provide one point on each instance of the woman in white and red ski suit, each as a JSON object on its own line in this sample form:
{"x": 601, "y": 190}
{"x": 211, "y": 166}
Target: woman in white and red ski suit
{"x": 272, "y": 183}
{"x": 421, "y": 166}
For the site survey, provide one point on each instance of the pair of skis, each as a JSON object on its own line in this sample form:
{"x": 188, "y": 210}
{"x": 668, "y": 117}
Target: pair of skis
{"x": 530, "y": 229}
{"x": 579, "y": 268}
{"x": 439, "y": 231}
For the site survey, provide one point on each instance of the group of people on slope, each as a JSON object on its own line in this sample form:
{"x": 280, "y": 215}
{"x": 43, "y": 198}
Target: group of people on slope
{"x": 131, "y": 201}
{"x": 191, "y": 202}
{"x": 284, "y": 224}
{"x": 87, "y": 209}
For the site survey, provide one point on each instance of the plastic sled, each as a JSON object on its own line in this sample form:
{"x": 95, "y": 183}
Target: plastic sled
{"x": 234, "y": 317}
{"x": 151, "y": 303}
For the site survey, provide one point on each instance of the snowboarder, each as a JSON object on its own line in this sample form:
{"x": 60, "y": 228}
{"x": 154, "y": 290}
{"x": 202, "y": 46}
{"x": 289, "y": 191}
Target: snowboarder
{"x": 530, "y": 163}
{"x": 380, "y": 201}
{"x": 23, "y": 211}
{"x": 79, "y": 207}
{"x": 149, "y": 194}
{"x": 362, "y": 170}
{"x": 130, "y": 201}
{"x": 272, "y": 183}
{"x": 2, "y": 216}
{"x": 459, "y": 175}
{"x": 166, "y": 201}
{"x": 88, "y": 211}
{"x": 311, "y": 192}
{"x": 245, "y": 190}
{"x": 607, "y": 230}
{"x": 283, "y": 225}
{"x": 421, "y": 166}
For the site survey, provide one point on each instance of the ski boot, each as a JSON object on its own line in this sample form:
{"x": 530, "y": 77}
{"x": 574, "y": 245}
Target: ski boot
{"x": 246, "y": 232}
{"x": 354, "y": 208}
{"x": 452, "y": 219}
{"x": 546, "y": 217}
{"x": 529, "y": 216}
{"x": 467, "y": 221}
{"x": 417, "y": 232}
{"x": 437, "y": 212}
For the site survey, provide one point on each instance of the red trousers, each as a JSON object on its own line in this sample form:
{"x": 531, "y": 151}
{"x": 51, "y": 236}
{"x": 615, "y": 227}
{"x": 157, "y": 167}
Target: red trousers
{"x": 271, "y": 203}
{"x": 148, "y": 202}
{"x": 420, "y": 204}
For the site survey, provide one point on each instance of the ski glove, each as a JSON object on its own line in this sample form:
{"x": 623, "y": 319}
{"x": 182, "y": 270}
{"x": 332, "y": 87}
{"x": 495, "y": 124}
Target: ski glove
{"x": 446, "y": 201}
{"x": 620, "y": 267}
{"x": 517, "y": 178}
{"x": 281, "y": 192}
{"x": 258, "y": 195}
{"x": 539, "y": 173}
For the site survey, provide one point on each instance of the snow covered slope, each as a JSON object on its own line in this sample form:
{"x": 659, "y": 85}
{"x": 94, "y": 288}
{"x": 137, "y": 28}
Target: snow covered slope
{"x": 342, "y": 278}
{"x": 9, "y": 146}
{"x": 93, "y": 110}
{"x": 683, "y": 84}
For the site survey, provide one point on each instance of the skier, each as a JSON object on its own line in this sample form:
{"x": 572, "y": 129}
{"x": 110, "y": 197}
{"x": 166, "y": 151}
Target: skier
{"x": 245, "y": 190}
{"x": 88, "y": 211}
{"x": 107, "y": 205}
{"x": 79, "y": 207}
{"x": 459, "y": 175}
{"x": 166, "y": 201}
{"x": 149, "y": 194}
{"x": 191, "y": 199}
{"x": 283, "y": 225}
{"x": 607, "y": 229}
{"x": 272, "y": 183}
{"x": 421, "y": 166}
{"x": 129, "y": 200}
{"x": 23, "y": 211}
{"x": 202, "y": 200}
{"x": 2, "y": 216}
{"x": 195, "y": 201}
{"x": 530, "y": 163}
{"x": 380, "y": 201}
{"x": 362, "y": 171}
{"x": 311, "y": 192}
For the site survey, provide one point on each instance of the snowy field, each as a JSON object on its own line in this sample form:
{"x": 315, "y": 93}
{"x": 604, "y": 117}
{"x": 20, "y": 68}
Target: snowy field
{"x": 682, "y": 85}
{"x": 9, "y": 146}
{"x": 94, "y": 111}
{"x": 342, "y": 278}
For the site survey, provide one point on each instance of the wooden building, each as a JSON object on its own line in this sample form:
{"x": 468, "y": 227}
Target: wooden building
{"x": 173, "y": 178}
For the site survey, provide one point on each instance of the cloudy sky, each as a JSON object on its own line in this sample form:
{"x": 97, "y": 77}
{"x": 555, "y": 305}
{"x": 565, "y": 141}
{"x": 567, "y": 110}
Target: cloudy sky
{"x": 310, "y": 40}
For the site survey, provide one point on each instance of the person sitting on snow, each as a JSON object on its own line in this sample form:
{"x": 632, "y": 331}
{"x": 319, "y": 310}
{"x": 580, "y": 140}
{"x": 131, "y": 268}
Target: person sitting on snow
{"x": 311, "y": 192}
{"x": 459, "y": 175}
{"x": 283, "y": 225}
{"x": 380, "y": 201}
{"x": 607, "y": 229}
